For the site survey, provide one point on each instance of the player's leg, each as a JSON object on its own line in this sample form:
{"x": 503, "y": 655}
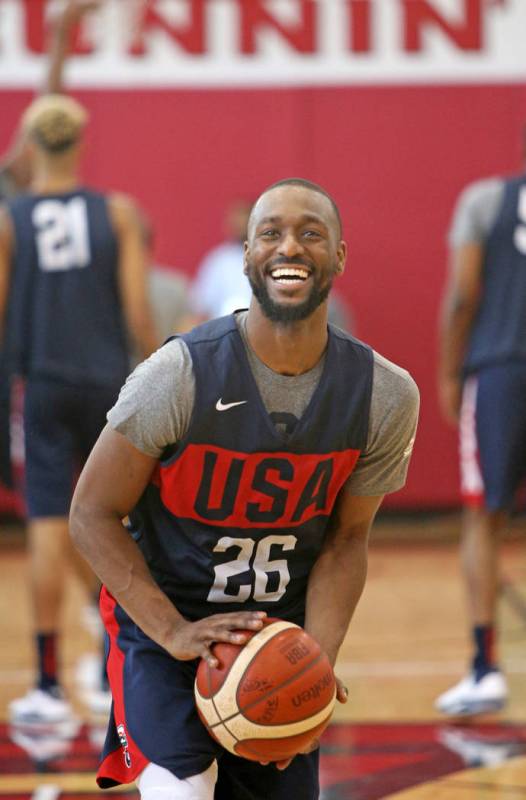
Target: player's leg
{"x": 239, "y": 778}
{"x": 492, "y": 442}
{"x": 153, "y": 717}
{"x": 49, "y": 463}
{"x": 158, "y": 783}
{"x": 481, "y": 533}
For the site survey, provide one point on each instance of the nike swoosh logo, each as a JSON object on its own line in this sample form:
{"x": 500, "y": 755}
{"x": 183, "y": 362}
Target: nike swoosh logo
{"x": 220, "y": 406}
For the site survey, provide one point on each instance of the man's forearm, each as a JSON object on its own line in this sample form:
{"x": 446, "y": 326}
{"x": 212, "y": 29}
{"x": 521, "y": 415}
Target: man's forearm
{"x": 455, "y": 329}
{"x": 118, "y": 562}
{"x": 335, "y": 586}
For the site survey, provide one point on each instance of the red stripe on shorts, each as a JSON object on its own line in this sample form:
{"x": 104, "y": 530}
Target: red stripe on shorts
{"x": 125, "y": 764}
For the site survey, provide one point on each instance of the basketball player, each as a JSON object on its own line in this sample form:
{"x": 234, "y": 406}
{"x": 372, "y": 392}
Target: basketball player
{"x": 251, "y": 455}
{"x": 75, "y": 262}
{"x": 15, "y": 177}
{"x": 482, "y": 384}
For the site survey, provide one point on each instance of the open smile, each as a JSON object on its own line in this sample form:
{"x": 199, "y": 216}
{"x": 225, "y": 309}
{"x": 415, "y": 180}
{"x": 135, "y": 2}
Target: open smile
{"x": 290, "y": 274}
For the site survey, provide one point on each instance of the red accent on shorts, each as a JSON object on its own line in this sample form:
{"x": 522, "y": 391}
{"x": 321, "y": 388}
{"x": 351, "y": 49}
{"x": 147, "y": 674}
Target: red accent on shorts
{"x": 113, "y": 769}
{"x": 471, "y": 500}
{"x": 180, "y": 482}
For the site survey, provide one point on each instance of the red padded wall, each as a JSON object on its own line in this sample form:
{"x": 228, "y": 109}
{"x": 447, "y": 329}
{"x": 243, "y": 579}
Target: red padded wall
{"x": 394, "y": 158}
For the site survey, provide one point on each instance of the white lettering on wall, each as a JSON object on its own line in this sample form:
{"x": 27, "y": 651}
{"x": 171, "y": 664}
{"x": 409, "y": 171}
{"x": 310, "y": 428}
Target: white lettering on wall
{"x": 241, "y": 42}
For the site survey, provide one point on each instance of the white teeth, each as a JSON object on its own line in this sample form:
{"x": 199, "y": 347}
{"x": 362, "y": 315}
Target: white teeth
{"x": 290, "y": 272}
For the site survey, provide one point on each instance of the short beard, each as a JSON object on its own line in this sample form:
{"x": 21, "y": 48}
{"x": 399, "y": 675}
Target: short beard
{"x": 276, "y": 312}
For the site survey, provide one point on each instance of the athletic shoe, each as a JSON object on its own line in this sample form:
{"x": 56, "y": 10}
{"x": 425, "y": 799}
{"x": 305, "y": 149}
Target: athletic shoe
{"x": 478, "y": 750}
{"x": 470, "y": 697}
{"x": 40, "y": 706}
{"x": 44, "y": 742}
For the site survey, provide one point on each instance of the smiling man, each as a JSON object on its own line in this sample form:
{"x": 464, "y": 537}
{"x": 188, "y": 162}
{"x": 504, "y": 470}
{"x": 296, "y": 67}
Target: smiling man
{"x": 250, "y": 456}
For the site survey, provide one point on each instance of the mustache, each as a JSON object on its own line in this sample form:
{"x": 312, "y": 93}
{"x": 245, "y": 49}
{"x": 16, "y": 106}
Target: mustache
{"x": 286, "y": 261}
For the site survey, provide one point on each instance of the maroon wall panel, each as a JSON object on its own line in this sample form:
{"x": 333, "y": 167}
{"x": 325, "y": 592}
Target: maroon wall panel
{"x": 394, "y": 158}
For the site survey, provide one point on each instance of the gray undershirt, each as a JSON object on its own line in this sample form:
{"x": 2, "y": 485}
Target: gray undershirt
{"x": 476, "y": 212}
{"x": 156, "y": 402}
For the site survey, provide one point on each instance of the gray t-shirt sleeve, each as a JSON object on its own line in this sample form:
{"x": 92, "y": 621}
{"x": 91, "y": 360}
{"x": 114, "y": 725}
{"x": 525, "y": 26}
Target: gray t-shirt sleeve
{"x": 476, "y": 212}
{"x": 155, "y": 404}
{"x": 382, "y": 466}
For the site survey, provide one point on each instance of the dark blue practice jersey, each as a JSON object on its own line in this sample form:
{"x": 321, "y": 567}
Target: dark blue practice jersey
{"x": 499, "y": 330}
{"x": 65, "y": 316}
{"x": 236, "y": 514}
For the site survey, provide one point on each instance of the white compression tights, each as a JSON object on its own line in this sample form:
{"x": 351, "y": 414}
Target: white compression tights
{"x": 158, "y": 783}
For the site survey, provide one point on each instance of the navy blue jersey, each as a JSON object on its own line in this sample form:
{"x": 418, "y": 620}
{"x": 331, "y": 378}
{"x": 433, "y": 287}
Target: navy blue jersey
{"x": 65, "y": 316}
{"x": 499, "y": 330}
{"x": 235, "y": 515}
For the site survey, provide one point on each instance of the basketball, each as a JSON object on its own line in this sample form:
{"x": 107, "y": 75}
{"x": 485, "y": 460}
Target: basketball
{"x": 269, "y": 698}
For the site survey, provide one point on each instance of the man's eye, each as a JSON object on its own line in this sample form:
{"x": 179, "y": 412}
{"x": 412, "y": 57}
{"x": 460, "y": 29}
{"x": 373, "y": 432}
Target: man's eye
{"x": 311, "y": 234}
{"x": 269, "y": 233}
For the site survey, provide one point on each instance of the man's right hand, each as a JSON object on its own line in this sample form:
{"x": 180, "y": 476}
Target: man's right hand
{"x": 194, "y": 639}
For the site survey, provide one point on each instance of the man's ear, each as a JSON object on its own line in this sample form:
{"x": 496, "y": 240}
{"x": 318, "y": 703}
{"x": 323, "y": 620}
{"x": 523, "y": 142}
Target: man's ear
{"x": 341, "y": 253}
{"x": 246, "y": 251}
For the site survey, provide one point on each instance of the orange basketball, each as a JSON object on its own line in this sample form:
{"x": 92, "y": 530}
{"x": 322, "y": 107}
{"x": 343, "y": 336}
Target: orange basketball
{"x": 269, "y": 698}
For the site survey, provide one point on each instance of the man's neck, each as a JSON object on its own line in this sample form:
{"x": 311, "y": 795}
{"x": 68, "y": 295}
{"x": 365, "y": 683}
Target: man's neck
{"x": 290, "y": 348}
{"x": 54, "y": 184}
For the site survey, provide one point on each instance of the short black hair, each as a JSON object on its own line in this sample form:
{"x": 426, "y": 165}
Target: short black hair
{"x": 314, "y": 187}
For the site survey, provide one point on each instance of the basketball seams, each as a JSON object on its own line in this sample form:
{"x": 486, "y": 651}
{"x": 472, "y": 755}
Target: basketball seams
{"x": 285, "y": 729}
{"x": 225, "y": 700}
{"x": 267, "y": 732}
{"x": 229, "y": 722}
{"x": 261, "y": 698}
{"x": 262, "y": 756}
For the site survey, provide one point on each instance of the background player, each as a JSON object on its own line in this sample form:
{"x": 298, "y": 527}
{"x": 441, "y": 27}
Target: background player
{"x": 15, "y": 177}
{"x": 482, "y": 384}
{"x": 252, "y": 455}
{"x": 73, "y": 263}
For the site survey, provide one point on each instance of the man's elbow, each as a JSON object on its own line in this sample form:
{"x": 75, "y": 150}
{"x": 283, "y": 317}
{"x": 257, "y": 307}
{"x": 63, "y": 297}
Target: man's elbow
{"x": 80, "y": 524}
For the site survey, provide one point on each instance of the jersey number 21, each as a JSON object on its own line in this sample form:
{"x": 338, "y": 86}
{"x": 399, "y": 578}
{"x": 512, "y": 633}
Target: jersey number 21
{"x": 62, "y": 237}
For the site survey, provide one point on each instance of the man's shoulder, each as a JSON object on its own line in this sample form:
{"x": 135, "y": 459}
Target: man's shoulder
{"x": 482, "y": 189}
{"x": 345, "y": 336}
{"x": 392, "y": 378}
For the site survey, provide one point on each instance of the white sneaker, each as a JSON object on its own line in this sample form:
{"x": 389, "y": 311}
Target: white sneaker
{"x": 469, "y": 697}
{"x": 45, "y": 741}
{"x": 478, "y": 750}
{"x": 40, "y": 706}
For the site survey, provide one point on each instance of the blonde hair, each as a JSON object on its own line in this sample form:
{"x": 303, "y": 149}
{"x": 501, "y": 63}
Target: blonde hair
{"x": 55, "y": 122}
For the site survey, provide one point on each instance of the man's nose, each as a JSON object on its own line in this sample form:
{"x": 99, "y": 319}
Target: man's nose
{"x": 290, "y": 245}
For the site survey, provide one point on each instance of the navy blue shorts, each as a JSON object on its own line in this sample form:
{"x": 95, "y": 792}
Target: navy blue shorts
{"x": 493, "y": 436}
{"x": 61, "y": 424}
{"x": 154, "y": 719}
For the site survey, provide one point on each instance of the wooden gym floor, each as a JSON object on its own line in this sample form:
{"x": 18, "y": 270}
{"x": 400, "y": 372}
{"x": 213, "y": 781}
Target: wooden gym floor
{"x": 407, "y": 643}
